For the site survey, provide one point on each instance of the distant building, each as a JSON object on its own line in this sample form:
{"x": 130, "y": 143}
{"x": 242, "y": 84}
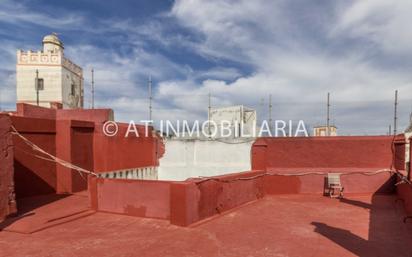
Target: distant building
{"x": 240, "y": 118}
{"x": 60, "y": 81}
{"x": 322, "y": 131}
{"x": 408, "y": 134}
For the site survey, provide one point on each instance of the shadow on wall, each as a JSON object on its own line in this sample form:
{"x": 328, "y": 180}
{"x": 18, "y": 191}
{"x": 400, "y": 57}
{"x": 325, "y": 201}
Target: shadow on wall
{"x": 383, "y": 236}
{"x": 24, "y": 176}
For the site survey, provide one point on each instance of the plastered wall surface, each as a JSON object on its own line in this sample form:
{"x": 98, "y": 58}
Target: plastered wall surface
{"x": 185, "y": 159}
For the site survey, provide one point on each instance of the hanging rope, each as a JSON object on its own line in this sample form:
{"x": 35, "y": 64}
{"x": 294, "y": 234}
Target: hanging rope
{"x": 51, "y": 157}
{"x": 82, "y": 171}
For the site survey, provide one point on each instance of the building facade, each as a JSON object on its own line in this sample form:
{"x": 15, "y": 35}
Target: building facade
{"x": 321, "y": 131}
{"x": 242, "y": 120}
{"x": 60, "y": 81}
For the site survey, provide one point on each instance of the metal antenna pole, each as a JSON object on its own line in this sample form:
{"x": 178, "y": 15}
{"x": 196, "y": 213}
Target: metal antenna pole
{"x": 328, "y": 116}
{"x": 37, "y": 87}
{"x": 395, "y": 116}
{"x": 92, "y": 88}
{"x": 209, "y": 109}
{"x": 150, "y": 97}
{"x": 270, "y": 112}
{"x": 390, "y": 129}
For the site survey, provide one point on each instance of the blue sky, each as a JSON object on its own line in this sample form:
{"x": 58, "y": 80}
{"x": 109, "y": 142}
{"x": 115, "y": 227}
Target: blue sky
{"x": 239, "y": 51}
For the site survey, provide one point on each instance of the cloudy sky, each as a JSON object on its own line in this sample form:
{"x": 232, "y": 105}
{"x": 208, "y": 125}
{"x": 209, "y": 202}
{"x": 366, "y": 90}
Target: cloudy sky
{"x": 239, "y": 51}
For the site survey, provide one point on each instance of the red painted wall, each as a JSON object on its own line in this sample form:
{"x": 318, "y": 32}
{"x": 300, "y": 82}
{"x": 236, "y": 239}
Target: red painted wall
{"x": 32, "y": 111}
{"x": 74, "y": 142}
{"x": 92, "y": 115}
{"x": 120, "y": 152}
{"x": 404, "y": 190}
{"x": 32, "y": 175}
{"x": 142, "y": 198}
{"x": 327, "y": 154}
{"x": 399, "y": 152}
{"x": 333, "y": 153}
{"x": 315, "y": 184}
{"x": 7, "y": 198}
{"x": 195, "y": 200}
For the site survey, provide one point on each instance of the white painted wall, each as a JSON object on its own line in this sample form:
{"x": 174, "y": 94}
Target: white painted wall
{"x": 184, "y": 159}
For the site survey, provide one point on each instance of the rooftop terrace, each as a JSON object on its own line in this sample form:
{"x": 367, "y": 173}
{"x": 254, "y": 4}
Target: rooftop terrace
{"x": 275, "y": 208}
{"x": 282, "y": 225}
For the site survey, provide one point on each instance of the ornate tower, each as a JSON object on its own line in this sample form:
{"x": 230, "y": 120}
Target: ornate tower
{"x": 60, "y": 80}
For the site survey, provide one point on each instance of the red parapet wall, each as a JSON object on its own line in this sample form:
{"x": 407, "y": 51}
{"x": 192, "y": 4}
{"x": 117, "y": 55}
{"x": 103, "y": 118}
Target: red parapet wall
{"x": 195, "y": 200}
{"x": 183, "y": 203}
{"x": 32, "y": 111}
{"x": 121, "y": 152}
{"x": 141, "y": 198}
{"x": 333, "y": 153}
{"x": 92, "y": 115}
{"x": 347, "y": 155}
{"x": 7, "y": 197}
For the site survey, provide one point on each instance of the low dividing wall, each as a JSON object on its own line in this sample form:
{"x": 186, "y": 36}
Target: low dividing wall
{"x": 142, "y": 198}
{"x": 183, "y": 203}
{"x": 193, "y": 200}
{"x": 187, "y": 202}
{"x": 7, "y": 198}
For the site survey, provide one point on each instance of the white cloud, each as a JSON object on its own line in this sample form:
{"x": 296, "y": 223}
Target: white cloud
{"x": 385, "y": 23}
{"x": 295, "y": 55}
{"x": 18, "y": 14}
{"x": 291, "y": 67}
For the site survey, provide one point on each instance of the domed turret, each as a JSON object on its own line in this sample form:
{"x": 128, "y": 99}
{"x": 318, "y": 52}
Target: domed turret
{"x": 51, "y": 43}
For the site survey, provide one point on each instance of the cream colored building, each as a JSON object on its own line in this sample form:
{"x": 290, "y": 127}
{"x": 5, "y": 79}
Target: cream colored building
{"x": 62, "y": 79}
{"x": 242, "y": 120}
{"x": 321, "y": 131}
{"x": 408, "y": 134}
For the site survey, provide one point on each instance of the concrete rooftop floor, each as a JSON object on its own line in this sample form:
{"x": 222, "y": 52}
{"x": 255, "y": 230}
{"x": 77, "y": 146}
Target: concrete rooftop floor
{"x": 283, "y": 225}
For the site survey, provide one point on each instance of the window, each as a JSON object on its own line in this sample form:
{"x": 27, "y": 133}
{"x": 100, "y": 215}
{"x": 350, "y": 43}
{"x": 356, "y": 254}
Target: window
{"x": 73, "y": 90}
{"x": 39, "y": 84}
